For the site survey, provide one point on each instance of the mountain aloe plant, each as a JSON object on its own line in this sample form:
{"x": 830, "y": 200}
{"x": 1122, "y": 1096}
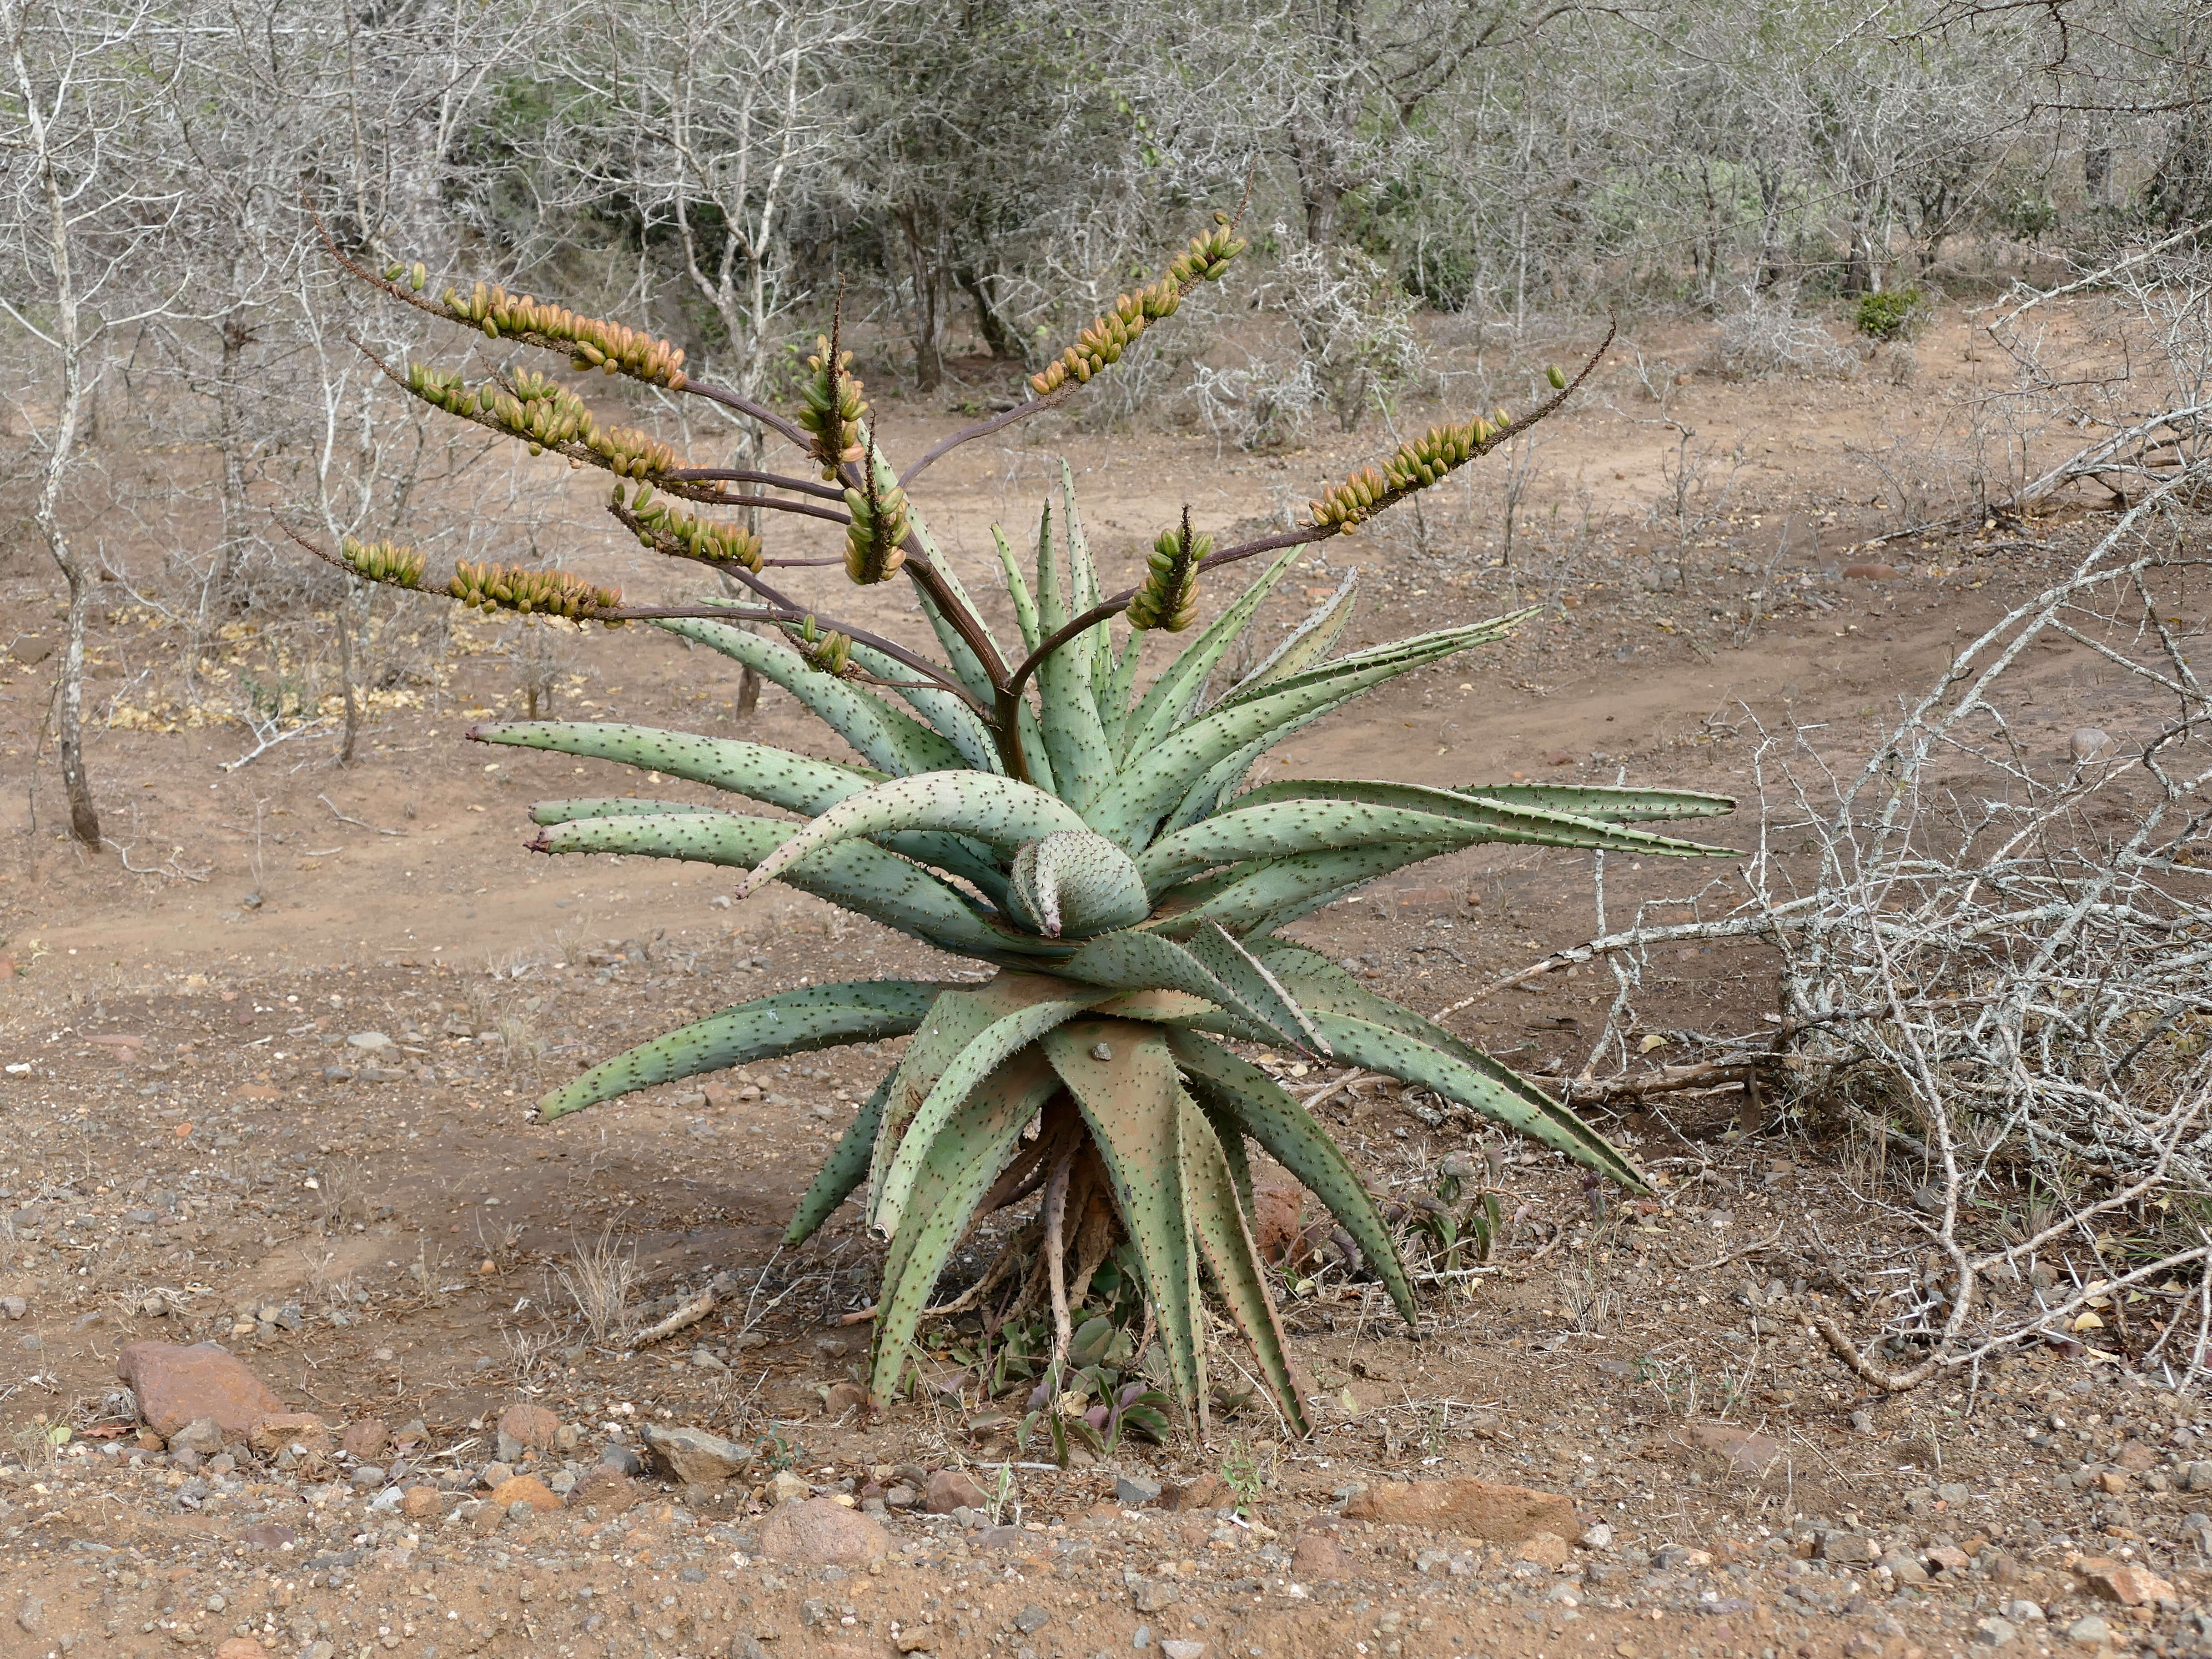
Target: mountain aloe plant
{"x": 1046, "y": 805}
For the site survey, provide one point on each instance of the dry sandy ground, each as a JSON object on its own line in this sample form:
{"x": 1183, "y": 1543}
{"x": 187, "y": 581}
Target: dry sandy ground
{"x": 191, "y": 1143}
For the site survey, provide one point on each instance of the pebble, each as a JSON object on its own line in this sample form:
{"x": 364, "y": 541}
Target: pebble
{"x": 1141, "y": 1637}
{"x": 175, "y": 1385}
{"x": 696, "y": 1457}
{"x": 621, "y": 1459}
{"x": 1134, "y": 1492}
{"x": 2089, "y": 1632}
{"x": 1993, "y": 1633}
{"x": 13, "y": 1307}
{"x": 817, "y": 1532}
{"x": 948, "y": 1490}
{"x": 1182, "y": 1650}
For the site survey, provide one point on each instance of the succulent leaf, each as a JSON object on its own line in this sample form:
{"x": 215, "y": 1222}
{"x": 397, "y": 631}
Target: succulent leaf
{"x": 953, "y": 719}
{"x": 961, "y": 1161}
{"x": 606, "y": 806}
{"x": 1018, "y": 589}
{"x": 1074, "y": 884}
{"x": 1002, "y": 812}
{"x": 977, "y": 1058}
{"x": 885, "y": 737}
{"x": 1167, "y": 699}
{"x": 1213, "y": 1212}
{"x": 1255, "y": 988}
{"x": 1604, "y": 802}
{"x": 1308, "y": 643}
{"x": 1123, "y": 1078}
{"x": 846, "y": 1168}
{"x": 856, "y": 874}
{"x": 1082, "y": 764}
{"x": 1261, "y": 1108}
{"x": 792, "y": 1021}
{"x": 797, "y": 783}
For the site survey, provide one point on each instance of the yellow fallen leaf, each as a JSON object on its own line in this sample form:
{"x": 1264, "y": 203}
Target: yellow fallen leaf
{"x": 1350, "y": 1406}
{"x": 1651, "y": 1040}
{"x": 2088, "y": 1322}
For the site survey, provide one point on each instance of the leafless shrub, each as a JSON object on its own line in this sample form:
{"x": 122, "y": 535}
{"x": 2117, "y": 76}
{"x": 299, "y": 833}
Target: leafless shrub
{"x": 1765, "y": 335}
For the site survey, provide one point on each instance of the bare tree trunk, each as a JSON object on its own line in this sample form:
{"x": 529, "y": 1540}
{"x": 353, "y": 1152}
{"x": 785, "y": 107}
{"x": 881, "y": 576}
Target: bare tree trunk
{"x": 61, "y": 451}
{"x": 926, "y": 268}
{"x": 345, "y": 675}
{"x": 230, "y": 435}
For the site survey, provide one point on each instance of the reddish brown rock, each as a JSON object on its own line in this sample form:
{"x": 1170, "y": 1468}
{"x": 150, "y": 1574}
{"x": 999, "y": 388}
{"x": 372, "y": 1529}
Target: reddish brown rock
{"x": 2125, "y": 1582}
{"x": 525, "y": 1489}
{"x": 1871, "y": 573}
{"x": 271, "y": 1434}
{"x": 1545, "y": 1549}
{"x": 821, "y": 1533}
{"x": 421, "y": 1501}
{"x": 177, "y": 1385}
{"x": 843, "y": 1397}
{"x": 2137, "y": 1458}
{"x": 365, "y": 1439}
{"x": 1500, "y": 1515}
{"x": 529, "y": 1426}
{"x": 1318, "y": 1556}
{"x": 948, "y": 1490}
{"x": 1208, "y": 1492}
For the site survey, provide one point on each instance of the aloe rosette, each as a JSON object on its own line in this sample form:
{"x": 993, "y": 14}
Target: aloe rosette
{"x": 1082, "y": 824}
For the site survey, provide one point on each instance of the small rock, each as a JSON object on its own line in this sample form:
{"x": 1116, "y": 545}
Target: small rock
{"x": 1031, "y": 1620}
{"x": 1134, "y": 1492}
{"x": 1862, "y": 1422}
{"x": 525, "y": 1489}
{"x": 375, "y": 1042}
{"x": 13, "y": 1307}
{"x": 1499, "y": 1515}
{"x": 495, "y": 1474}
{"x": 366, "y": 1438}
{"x": 1676, "y": 1557}
{"x": 2089, "y": 1632}
{"x": 917, "y": 1638}
{"x": 1141, "y": 1638}
{"x": 2196, "y": 1477}
{"x": 695, "y": 1457}
{"x": 2085, "y": 745}
{"x": 843, "y": 1397}
{"x": 1947, "y": 1558}
{"x": 902, "y": 1497}
{"x": 1904, "y": 1569}
{"x": 531, "y": 1426}
{"x": 1277, "y": 1216}
{"x": 203, "y": 1435}
{"x": 2125, "y": 1582}
{"x": 369, "y": 1477}
{"x": 1847, "y": 1549}
{"x": 175, "y": 1385}
{"x": 948, "y": 1490}
{"x": 621, "y": 1459}
{"x": 1598, "y": 1537}
{"x": 787, "y": 1488}
{"x": 1208, "y": 1492}
{"x": 272, "y": 1434}
{"x": 1747, "y": 1453}
{"x": 1154, "y": 1595}
{"x": 31, "y": 1615}
{"x": 820, "y": 1533}
{"x": 420, "y": 1501}
{"x": 1993, "y": 1633}
{"x": 2023, "y": 1612}
{"x": 1182, "y": 1650}
{"x": 1545, "y": 1549}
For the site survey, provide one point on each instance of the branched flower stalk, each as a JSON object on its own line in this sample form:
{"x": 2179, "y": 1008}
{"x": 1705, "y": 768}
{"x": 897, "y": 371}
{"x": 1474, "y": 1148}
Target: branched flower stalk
{"x": 1059, "y": 813}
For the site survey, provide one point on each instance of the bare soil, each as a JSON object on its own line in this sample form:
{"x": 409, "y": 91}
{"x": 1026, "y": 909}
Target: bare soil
{"x": 191, "y": 1142}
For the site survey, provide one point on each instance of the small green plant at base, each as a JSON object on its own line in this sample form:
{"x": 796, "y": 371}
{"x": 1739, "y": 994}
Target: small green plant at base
{"x": 1240, "y": 1473}
{"x": 1047, "y": 804}
{"x": 1459, "y": 1216}
{"x": 1889, "y": 314}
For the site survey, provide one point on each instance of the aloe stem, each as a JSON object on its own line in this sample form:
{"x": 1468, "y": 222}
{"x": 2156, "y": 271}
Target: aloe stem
{"x": 1055, "y": 1247}
{"x": 944, "y": 447}
{"x": 746, "y": 475}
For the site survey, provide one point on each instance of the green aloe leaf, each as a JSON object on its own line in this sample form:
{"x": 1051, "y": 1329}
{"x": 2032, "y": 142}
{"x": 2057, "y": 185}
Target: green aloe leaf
{"x": 856, "y": 874}
{"x": 812, "y": 1017}
{"x": 1085, "y": 594}
{"x": 1263, "y": 1111}
{"x": 1309, "y": 642}
{"x": 948, "y": 714}
{"x": 1003, "y": 812}
{"x": 884, "y": 735}
{"x": 980, "y": 1056}
{"x": 1154, "y": 778}
{"x": 1168, "y": 699}
{"x": 1082, "y": 763}
{"x": 846, "y": 1169}
{"x": 1518, "y": 1104}
{"x": 962, "y": 1161}
{"x": 608, "y": 806}
{"x": 967, "y": 666}
{"x": 1604, "y": 802}
{"x": 1018, "y": 589}
{"x": 1123, "y": 1078}
{"x": 1114, "y": 704}
{"x": 1214, "y": 1212}
{"x": 1271, "y": 893}
{"x": 1254, "y": 988}
{"x": 1133, "y": 961}
{"x": 1496, "y": 820}
{"x": 775, "y": 776}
